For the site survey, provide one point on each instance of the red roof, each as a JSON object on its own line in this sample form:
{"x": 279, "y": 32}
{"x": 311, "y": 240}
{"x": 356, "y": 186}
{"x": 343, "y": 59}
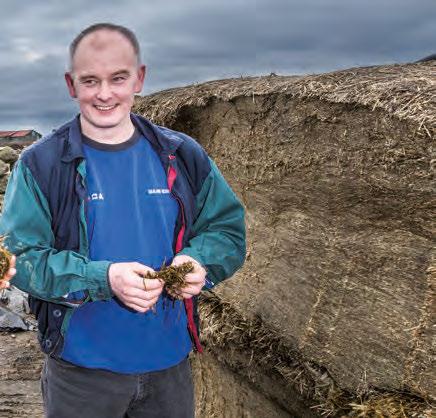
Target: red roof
{"x": 15, "y": 134}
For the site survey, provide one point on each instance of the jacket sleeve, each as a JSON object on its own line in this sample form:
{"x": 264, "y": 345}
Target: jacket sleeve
{"x": 43, "y": 271}
{"x": 218, "y": 235}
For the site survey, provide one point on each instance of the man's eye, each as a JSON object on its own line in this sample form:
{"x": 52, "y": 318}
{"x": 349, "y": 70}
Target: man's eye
{"x": 90, "y": 83}
{"x": 119, "y": 79}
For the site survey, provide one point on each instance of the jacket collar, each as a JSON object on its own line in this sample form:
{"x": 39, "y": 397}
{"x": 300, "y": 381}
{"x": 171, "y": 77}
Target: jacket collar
{"x": 73, "y": 143}
{"x": 164, "y": 143}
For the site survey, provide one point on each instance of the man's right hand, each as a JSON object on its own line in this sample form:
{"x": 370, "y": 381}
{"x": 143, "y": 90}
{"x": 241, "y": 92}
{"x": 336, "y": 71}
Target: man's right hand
{"x": 127, "y": 283}
{"x": 4, "y": 282}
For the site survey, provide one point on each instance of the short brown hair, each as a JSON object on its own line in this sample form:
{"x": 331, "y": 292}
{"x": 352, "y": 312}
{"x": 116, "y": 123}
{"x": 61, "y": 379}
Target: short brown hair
{"x": 127, "y": 33}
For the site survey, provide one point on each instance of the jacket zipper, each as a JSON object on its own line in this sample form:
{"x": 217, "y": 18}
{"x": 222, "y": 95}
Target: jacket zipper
{"x": 189, "y": 305}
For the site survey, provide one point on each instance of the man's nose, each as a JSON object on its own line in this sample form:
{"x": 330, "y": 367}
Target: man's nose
{"x": 104, "y": 92}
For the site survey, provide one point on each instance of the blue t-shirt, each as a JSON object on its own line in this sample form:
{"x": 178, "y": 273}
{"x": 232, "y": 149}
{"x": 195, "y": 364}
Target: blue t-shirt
{"x": 130, "y": 216}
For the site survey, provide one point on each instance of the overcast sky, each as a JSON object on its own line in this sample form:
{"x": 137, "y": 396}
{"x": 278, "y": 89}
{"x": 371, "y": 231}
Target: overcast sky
{"x": 191, "y": 41}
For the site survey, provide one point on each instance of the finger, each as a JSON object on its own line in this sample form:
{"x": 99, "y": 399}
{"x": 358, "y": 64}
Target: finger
{"x": 141, "y": 269}
{"x": 180, "y": 259}
{"x": 142, "y": 303}
{"x": 137, "y": 308}
{"x": 135, "y": 293}
{"x": 197, "y": 267}
{"x": 13, "y": 261}
{"x": 4, "y": 285}
{"x": 152, "y": 284}
{"x": 10, "y": 273}
{"x": 191, "y": 290}
{"x": 152, "y": 294}
{"x": 175, "y": 294}
{"x": 138, "y": 282}
{"x": 140, "y": 294}
{"x": 195, "y": 278}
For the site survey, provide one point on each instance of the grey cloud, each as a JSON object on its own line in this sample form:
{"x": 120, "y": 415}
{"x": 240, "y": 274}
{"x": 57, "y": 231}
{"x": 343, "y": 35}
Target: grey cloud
{"x": 193, "y": 41}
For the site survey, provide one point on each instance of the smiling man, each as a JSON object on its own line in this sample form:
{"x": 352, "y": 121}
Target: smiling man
{"x": 89, "y": 211}
{"x": 105, "y": 74}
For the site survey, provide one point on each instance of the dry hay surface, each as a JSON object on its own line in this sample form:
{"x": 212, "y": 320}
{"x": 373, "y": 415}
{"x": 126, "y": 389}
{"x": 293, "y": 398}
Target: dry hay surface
{"x": 405, "y": 91}
{"x": 333, "y": 311}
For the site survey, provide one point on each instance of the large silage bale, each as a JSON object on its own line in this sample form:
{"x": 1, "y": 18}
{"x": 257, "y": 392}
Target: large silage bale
{"x": 334, "y": 308}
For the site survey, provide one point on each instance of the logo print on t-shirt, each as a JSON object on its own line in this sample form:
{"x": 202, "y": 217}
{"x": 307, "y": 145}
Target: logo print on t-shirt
{"x": 157, "y": 191}
{"x": 96, "y": 196}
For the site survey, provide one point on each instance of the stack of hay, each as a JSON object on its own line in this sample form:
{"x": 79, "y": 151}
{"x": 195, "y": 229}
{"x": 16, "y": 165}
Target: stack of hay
{"x": 333, "y": 313}
{"x": 8, "y": 156}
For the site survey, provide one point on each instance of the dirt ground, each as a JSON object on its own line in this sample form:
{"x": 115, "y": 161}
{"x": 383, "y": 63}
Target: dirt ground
{"x": 20, "y": 396}
{"x": 20, "y": 368}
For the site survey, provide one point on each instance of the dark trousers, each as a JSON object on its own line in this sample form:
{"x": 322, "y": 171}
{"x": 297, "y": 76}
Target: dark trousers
{"x": 70, "y": 391}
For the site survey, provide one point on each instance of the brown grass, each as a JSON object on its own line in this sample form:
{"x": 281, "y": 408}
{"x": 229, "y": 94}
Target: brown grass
{"x": 407, "y": 92}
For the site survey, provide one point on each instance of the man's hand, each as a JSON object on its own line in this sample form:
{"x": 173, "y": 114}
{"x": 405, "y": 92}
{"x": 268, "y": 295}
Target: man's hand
{"x": 4, "y": 283}
{"x": 127, "y": 284}
{"x": 195, "y": 280}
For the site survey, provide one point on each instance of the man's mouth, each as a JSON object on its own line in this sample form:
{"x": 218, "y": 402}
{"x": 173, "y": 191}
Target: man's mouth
{"x": 105, "y": 108}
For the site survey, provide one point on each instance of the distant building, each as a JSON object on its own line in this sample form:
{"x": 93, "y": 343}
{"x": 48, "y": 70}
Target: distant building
{"x": 17, "y": 139}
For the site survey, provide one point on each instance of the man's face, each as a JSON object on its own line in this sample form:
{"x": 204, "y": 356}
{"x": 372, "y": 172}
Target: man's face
{"x": 105, "y": 76}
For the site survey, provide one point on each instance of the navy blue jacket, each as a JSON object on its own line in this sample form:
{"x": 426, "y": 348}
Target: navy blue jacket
{"x": 44, "y": 222}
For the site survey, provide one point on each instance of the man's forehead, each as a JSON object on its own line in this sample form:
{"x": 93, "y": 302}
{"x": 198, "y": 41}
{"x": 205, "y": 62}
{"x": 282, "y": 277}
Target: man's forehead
{"x": 105, "y": 48}
{"x": 103, "y": 39}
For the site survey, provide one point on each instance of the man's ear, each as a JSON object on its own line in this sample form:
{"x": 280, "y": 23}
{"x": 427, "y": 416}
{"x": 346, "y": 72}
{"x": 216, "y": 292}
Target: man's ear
{"x": 141, "y": 77}
{"x": 70, "y": 84}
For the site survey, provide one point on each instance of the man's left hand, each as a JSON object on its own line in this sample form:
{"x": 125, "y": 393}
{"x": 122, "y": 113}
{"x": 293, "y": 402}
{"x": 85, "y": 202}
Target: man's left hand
{"x": 194, "y": 280}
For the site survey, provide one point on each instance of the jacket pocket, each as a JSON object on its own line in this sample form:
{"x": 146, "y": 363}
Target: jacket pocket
{"x": 50, "y": 317}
